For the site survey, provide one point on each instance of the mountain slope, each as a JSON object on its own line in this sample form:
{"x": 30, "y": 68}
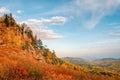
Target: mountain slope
{"x": 23, "y": 57}
{"x": 14, "y": 65}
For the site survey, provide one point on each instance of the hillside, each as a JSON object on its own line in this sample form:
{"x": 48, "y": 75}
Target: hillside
{"x": 109, "y": 64}
{"x": 77, "y": 61}
{"x": 23, "y": 57}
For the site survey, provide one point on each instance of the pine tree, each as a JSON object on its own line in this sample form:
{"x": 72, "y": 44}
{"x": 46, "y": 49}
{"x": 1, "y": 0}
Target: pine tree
{"x": 39, "y": 44}
{"x": 6, "y": 20}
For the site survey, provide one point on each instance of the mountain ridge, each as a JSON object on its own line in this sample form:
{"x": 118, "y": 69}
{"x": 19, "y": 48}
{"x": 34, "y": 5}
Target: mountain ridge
{"x": 108, "y": 63}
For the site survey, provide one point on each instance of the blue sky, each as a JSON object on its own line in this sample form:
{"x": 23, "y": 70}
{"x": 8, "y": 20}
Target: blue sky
{"x": 76, "y": 28}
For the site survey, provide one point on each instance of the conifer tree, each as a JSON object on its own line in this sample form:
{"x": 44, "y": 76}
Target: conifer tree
{"x": 6, "y": 21}
{"x": 39, "y": 44}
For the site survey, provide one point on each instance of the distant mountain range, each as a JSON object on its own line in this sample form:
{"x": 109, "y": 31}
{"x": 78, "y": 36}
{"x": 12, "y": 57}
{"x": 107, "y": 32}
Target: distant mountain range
{"x": 77, "y": 61}
{"x": 107, "y": 63}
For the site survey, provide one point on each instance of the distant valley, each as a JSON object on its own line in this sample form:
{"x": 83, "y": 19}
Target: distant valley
{"x": 111, "y": 64}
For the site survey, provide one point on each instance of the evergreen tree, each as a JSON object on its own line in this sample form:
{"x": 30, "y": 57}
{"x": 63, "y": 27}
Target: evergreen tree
{"x": 39, "y": 44}
{"x": 6, "y": 20}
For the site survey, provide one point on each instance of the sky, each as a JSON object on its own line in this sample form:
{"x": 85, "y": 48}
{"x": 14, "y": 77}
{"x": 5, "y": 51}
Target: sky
{"x": 87, "y": 29}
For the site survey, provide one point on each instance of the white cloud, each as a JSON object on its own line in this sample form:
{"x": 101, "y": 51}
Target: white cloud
{"x": 115, "y": 33}
{"x": 54, "y": 20}
{"x": 3, "y": 9}
{"x": 40, "y": 26}
{"x": 115, "y": 25}
{"x": 90, "y": 12}
{"x": 97, "y": 10}
{"x": 91, "y": 23}
{"x": 46, "y": 34}
{"x": 19, "y": 11}
{"x": 15, "y": 16}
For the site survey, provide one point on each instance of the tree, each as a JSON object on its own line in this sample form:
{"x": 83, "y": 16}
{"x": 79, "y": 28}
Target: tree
{"x": 53, "y": 53}
{"x": 39, "y": 44}
{"x": 34, "y": 41}
{"x": 29, "y": 33}
{"x": 11, "y": 15}
{"x": 6, "y": 20}
{"x": 23, "y": 26}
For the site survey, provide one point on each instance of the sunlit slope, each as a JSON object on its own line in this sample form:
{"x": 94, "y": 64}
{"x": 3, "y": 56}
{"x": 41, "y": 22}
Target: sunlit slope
{"x": 23, "y": 57}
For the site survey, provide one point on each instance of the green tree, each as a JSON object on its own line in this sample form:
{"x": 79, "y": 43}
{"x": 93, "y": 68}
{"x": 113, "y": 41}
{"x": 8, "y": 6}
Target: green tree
{"x": 6, "y": 20}
{"x": 39, "y": 44}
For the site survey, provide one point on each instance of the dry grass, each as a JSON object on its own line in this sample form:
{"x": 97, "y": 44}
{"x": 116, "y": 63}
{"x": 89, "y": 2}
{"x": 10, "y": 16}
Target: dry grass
{"x": 16, "y": 66}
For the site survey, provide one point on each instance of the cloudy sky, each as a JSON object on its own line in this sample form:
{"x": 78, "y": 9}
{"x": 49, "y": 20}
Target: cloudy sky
{"x": 76, "y": 28}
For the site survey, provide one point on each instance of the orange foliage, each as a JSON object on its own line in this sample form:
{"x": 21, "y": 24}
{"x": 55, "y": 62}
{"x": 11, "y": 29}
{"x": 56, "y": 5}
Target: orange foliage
{"x": 16, "y": 66}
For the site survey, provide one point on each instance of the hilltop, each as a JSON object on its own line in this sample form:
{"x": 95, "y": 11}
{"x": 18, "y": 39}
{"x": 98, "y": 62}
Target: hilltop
{"x": 23, "y": 57}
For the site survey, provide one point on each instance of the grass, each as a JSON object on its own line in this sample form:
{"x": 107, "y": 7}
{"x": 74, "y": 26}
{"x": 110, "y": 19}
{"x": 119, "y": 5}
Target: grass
{"x": 14, "y": 65}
